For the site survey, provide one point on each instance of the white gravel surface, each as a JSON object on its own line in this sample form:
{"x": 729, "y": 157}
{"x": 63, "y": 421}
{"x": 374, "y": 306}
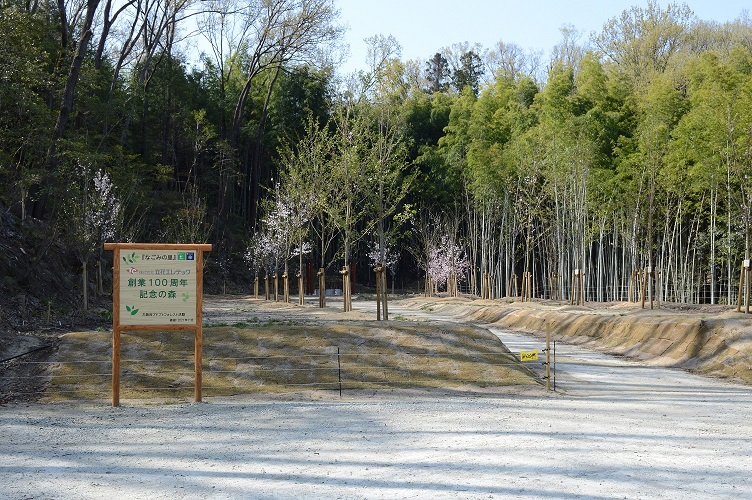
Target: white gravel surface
{"x": 615, "y": 430}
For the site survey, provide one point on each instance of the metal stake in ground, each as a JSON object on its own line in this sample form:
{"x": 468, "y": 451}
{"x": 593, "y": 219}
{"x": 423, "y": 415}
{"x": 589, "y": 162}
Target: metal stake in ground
{"x": 339, "y": 372}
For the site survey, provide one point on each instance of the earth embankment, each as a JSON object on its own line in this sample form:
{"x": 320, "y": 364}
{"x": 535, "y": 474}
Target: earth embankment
{"x": 713, "y": 340}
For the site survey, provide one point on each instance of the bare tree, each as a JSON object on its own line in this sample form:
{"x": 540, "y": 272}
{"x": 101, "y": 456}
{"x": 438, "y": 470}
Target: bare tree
{"x": 66, "y": 104}
{"x": 277, "y": 33}
{"x": 511, "y": 61}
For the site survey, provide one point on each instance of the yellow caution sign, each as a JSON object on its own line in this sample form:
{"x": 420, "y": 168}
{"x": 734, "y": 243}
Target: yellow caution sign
{"x": 529, "y": 355}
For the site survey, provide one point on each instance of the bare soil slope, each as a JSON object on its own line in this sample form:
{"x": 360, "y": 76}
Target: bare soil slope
{"x": 713, "y": 340}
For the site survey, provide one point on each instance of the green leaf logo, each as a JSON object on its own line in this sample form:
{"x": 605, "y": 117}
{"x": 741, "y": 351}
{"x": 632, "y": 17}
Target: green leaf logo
{"x": 132, "y": 310}
{"x": 130, "y": 259}
{"x": 186, "y": 297}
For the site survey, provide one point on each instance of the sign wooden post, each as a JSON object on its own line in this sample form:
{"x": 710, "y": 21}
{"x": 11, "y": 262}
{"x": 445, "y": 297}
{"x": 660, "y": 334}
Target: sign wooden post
{"x": 157, "y": 287}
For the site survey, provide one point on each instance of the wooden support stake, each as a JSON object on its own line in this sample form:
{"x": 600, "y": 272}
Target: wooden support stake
{"x": 301, "y": 290}
{"x": 573, "y": 293}
{"x": 578, "y": 288}
{"x": 554, "y": 286}
{"x": 345, "y": 272}
{"x": 385, "y": 294}
{"x": 582, "y": 287}
{"x": 378, "y": 270}
{"x": 644, "y": 288}
{"x": 322, "y": 287}
{"x": 629, "y": 289}
{"x": 529, "y": 287}
{"x": 741, "y": 290}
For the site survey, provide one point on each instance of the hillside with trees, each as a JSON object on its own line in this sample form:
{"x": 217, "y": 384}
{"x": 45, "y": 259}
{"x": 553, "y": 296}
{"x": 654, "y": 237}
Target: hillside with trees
{"x": 623, "y": 158}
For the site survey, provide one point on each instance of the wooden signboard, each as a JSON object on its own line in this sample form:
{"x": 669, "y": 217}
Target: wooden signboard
{"x": 156, "y": 287}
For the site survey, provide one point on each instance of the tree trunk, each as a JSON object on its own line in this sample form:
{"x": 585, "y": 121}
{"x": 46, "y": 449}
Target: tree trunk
{"x": 84, "y": 281}
{"x": 66, "y": 106}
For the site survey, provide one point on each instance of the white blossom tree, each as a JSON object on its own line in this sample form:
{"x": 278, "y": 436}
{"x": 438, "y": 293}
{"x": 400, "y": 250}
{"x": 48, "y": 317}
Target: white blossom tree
{"x": 281, "y": 233}
{"x": 92, "y": 214}
{"x": 389, "y": 258}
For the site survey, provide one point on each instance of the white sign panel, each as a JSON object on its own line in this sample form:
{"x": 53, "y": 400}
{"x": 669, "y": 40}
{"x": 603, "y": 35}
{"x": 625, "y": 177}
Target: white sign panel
{"x": 158, "y": 287}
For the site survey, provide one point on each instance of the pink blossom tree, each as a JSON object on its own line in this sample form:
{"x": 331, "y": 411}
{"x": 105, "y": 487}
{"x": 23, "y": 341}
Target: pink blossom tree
{"x": 447, "y": 264}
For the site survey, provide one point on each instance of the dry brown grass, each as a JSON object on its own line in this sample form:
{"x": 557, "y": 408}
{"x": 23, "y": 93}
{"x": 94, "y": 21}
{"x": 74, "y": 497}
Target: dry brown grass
{"x": 278, "y": 358}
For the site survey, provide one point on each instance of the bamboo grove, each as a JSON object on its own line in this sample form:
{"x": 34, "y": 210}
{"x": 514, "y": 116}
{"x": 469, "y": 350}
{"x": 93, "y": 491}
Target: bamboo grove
{"x": 620, "y": 152}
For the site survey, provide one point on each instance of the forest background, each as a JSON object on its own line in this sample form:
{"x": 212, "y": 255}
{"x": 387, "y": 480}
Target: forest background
{"x": 627, "y": 150}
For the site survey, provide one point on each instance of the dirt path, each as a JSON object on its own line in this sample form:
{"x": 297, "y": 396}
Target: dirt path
{"x": 619, "y": 430}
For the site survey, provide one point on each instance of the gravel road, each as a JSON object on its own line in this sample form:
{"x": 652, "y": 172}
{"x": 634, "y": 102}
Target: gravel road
{"x": 615, "y": 429}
